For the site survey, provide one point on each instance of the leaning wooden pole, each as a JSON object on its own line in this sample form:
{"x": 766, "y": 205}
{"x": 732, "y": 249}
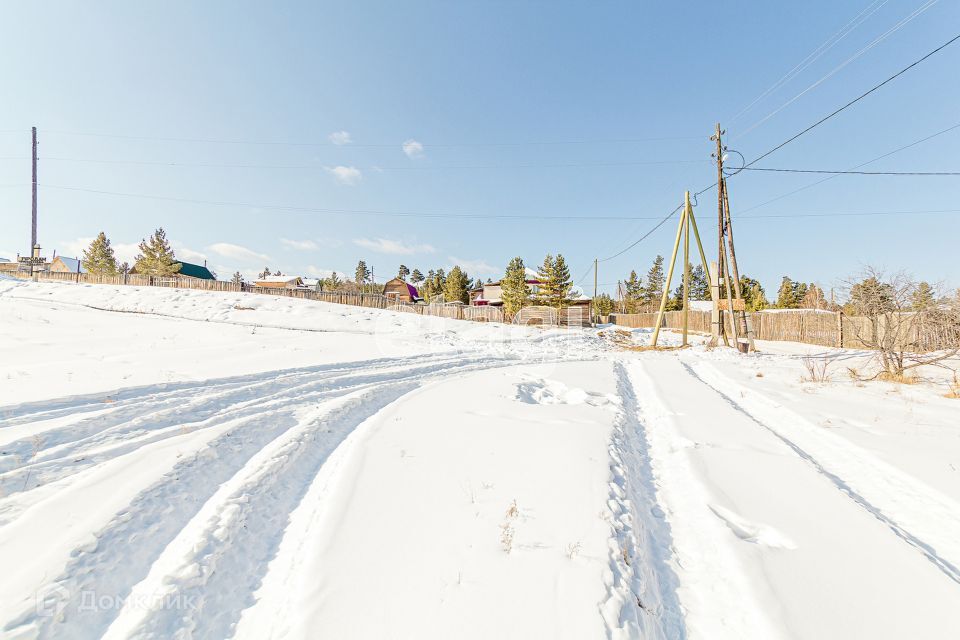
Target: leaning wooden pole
{"x": 686, "y": 267}
{"x": 666, "y": 286}
{"x": 747, "y": 328}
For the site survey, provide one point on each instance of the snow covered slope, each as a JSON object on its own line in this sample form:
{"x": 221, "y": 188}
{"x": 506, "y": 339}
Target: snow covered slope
{"x": 199, "y": 465}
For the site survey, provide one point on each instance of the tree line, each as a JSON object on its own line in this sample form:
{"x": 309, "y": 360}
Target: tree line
{"x": 156, "y": 257}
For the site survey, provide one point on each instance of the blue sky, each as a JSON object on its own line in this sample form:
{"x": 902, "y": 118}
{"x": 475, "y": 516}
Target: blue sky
{"x": 452, "y": 112}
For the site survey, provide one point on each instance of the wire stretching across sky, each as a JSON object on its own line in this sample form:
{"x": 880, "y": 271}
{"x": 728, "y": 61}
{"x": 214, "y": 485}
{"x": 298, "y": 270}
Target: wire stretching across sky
{"x": 815, "y": 55}
{"x": 854, "y": 101}
{"x": 839, "y": 67}
{"x": 862, "y": 164}
{"x": 394, "y": 145}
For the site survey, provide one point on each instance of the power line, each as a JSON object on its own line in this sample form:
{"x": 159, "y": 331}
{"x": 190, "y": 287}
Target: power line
{"x": 858, "y": 173}
{"x": 838, "y": 68}
{"x": 370, "y": 212}
{"x": 378, "y": 145}
{"x": 643, "y": 237}
{"x": 841, "y": 214}
{"x": 854, "y": 101}
{"x": 661, "y": 221}
{"x": 371, "y": 168}
{"x": 862, "y": 164}
{"x": 816, "y": 54}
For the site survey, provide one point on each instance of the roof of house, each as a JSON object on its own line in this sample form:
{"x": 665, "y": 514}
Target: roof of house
{"x": 412, "y": 290}
{"x": 195, "y": 271}
{"x": 278, "y": 279}
{"x": 498, "y": 282}
{"x": 73, "y": 264}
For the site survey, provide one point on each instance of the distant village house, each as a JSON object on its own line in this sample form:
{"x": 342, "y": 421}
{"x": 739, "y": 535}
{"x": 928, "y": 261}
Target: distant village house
{"x": 401, "y": 291}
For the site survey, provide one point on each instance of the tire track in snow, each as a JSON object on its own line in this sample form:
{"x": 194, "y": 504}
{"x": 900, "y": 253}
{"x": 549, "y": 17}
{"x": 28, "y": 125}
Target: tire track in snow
{"x": 918, "y": 514}
{"x": 128, "y": 429}
{"x": 642, "y": 598}
{"x": 16, "y": 414}
{"x": 126, "y": 548}
{"x": 220, "y": 568}
{"x": 715, "y": 593}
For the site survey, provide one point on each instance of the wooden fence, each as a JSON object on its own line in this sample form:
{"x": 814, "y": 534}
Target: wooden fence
{"x": 809, "y": 326}
{"x": 370, "y": 300}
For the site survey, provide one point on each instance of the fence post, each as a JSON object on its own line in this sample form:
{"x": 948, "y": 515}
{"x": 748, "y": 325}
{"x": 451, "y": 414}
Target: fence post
{"x": 840, "y": 329}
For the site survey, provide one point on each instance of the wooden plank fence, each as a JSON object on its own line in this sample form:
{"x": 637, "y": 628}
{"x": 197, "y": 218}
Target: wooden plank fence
{"x": 826, "y": 328}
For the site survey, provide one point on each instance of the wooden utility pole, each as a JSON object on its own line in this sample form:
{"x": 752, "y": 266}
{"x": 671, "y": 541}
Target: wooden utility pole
{"x": 721, "y": 253}
{"x": 33, "y": 225}
{"x": 594, "y": 305}
{"x": 728, "y": 268}
{"x": 688, "y": 223}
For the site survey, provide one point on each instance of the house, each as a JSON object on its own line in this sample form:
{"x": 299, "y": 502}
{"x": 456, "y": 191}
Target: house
{"x": 188, "y": 270}
{"x": 401, "y": 291}
{"x": 491, "y": 293}
{"x": 279, "y": 282}
{"x": 61, "y": 264}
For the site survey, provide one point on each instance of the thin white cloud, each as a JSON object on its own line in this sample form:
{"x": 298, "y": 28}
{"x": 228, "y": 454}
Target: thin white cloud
{"x": 413, "y": 149}
{"x": 346, "y": 175}
{"x": 340, "y": 137}
{"x": 236, "y": 252}
{"x": 302, "y": 245}
{"x": 394, "y": 247}
{"x": 124, "y": 252}
{"x": 189, "y": 255}
{"x": 474, "y": 267}
{"x": 317, "y": 272}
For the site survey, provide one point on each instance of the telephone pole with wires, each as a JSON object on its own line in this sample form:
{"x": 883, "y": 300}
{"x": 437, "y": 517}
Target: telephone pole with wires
{"x": 727, "y": 269}
{"x": 33, "y": 225}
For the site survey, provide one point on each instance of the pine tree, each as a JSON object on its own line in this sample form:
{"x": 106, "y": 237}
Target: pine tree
{"x": 923, "y": 297}
{"x": 362, "y": 274}
{"x": 656, "y": 280}
{"x": 562, "y": 284}
{"x": 699, "y": 285}
{"x": 334, "y": 282}
{"x": 546, "y": 287}
{"x": 699, "y": 288}
{"x": 514, "y": 290}
{"x": 455, "y": 288}
{"x": 237, "y": 278}
{"x": 156, "y": 258}
{"x": 416, "y": 277}
{"x": 99, "y": 258}
{"x": 633, "y": 293}
{"x": 403, "y": 272}
{"x": 124, "y": 268}
{"x": 753, "y": 295}
{"x": 787, "y": 294}
{"x": 263, "y": 274}
{"x": 603, "y": 304}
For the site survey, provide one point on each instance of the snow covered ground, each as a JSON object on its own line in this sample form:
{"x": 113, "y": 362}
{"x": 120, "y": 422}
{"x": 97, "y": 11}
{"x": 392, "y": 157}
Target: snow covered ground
{"x": 189, "y": 464}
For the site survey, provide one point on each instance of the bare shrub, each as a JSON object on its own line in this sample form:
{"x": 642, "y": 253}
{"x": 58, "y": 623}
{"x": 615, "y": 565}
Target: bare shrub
{"x": 954, "y": 391}
{"x": 507, "y": 530}
{"x": 817, "y": 370}
{"x": 903, "y": 322}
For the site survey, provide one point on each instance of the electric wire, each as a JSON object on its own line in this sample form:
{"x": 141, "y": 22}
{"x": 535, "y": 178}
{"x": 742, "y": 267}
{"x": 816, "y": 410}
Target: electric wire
{"x": 854, "y": 101}
{"x": 815, "y": 55}
{"x": 858, "y": 173}
{"x": 838, "y": 68}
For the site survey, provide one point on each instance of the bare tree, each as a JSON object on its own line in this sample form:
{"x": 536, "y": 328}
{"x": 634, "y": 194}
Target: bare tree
{"x": 904, "y": 335}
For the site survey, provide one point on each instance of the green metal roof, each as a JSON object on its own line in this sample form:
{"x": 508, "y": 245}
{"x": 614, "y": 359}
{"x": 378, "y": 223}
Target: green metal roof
{"x": 195, "y": 271}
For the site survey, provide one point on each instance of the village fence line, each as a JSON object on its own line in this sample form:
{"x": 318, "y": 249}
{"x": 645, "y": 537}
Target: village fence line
{"x": 825, "y": 328}
{"x": 809, "y": 326}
